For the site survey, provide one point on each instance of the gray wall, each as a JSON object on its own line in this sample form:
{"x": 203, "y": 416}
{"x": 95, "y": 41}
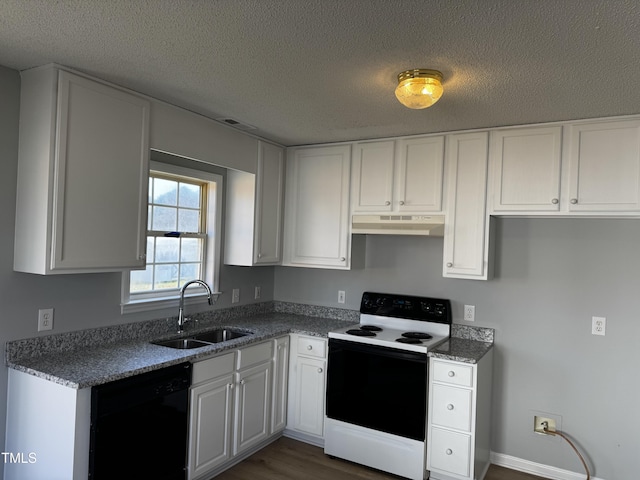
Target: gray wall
{"x": 552, "y": 276}
{"x": 80, "y": 301}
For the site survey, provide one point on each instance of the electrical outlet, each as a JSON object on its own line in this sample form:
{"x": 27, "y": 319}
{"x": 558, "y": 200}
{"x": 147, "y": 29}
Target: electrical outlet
{"x": 470, "y": 313}
{"x": 45, "y": 319}
{"x": 257, "y": 292}
{"x": 539, "y": 423}
{"x": 598, "y": 325}
{"x": 235, "y": 295}
{"x": 341, "y": 296}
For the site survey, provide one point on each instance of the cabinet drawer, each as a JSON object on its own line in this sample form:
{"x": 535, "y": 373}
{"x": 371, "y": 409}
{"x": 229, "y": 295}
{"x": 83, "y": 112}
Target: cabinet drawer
{"x": 312, "y": 347}
{"x": 453, "y": 373}
{"x": 255, "y": 354}
{"x": 213, "y": 368}
{"x": 450, "y": 452}
{"x": 451, "y": 407}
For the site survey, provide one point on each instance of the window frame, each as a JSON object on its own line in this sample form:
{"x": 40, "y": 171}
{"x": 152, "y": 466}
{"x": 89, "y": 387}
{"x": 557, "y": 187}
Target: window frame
{"x": 211, "y": 262}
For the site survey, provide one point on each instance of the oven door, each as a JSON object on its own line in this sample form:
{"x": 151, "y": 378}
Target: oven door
{"x": 380, "y": 388}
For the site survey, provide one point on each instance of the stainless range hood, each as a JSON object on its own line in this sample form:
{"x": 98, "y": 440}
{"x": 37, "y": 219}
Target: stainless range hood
{"x": 432, "y": 225}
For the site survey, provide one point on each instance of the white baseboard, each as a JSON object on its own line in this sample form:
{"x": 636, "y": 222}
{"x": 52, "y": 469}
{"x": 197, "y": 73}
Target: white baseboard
{"x": 539, "y": 469}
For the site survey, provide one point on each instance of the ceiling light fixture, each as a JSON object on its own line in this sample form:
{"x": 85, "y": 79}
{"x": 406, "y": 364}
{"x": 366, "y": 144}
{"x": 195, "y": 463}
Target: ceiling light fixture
{"x": 419, "y": 88}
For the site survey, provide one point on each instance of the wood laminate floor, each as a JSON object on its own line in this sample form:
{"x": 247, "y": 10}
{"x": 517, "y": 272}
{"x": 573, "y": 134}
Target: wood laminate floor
{"x": 287, "y": 459}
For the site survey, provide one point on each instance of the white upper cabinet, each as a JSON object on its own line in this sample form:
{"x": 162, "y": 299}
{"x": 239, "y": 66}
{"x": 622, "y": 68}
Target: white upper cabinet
{"x": 372, "y": 179}
{"x": 525, "y": 169}
{"x": 253, "y": 222}
{"x": 398, "y": 176}
{"x": 317, "y": 229}
{"x": 82, "y": 175}
{"x": 466, "y": 252}
{"x": 604, "y": 166}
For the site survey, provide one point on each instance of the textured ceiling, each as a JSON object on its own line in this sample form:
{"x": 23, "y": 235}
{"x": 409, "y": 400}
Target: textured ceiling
{"x": 311, "y": 71}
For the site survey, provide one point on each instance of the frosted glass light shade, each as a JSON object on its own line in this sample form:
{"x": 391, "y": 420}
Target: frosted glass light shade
{"x": 419, "y": 88}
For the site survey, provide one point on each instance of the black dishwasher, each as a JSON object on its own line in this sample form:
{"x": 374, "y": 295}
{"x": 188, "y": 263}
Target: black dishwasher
{"x": 139, "y": 426}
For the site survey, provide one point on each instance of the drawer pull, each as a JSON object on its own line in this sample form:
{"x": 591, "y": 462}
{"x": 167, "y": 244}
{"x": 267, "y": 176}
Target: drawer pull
{"x": 452, "y": 373}
{"x": 309, "y": 347}
{"x": 319, "y": 370}
{"x": 449, "y": 451}
{"x": 450, "y": 407}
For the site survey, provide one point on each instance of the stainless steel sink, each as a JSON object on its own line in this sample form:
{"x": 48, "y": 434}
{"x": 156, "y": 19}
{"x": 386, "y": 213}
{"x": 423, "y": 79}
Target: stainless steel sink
{"x": 182, "y": 343}
{"x": 217, "y": 336}
{"x": 201, "y": 339}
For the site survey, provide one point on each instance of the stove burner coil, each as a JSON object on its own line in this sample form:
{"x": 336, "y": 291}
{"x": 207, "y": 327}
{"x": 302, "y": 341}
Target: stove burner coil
{"x": 360, "y": 333}
{"x": 370, "y": 328}
{"x": 413, "y": 341}
{"x": 417, "y": 335}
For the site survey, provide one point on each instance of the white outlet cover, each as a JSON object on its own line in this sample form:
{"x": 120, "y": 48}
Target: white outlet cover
{"x": 598, "y": 325}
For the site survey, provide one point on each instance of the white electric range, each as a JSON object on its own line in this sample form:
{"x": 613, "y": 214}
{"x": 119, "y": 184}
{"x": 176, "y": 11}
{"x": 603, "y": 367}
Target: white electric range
{"x": 377, "y": 370}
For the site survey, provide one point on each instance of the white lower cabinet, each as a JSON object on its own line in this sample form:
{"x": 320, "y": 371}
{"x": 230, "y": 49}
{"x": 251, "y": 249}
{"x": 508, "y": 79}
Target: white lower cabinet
{"x": 231, "y": 414}
{"x": 307, "y": 382}
{"x": 458, "y": 437}
{"x": 280, "y": 384}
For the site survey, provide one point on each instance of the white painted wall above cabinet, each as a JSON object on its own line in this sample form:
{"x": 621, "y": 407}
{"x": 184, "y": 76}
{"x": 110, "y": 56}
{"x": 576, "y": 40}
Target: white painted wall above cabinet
{"x": 404, "y": 175}
{"x": 82, "y": 175}
{"x": 253, "y": 222}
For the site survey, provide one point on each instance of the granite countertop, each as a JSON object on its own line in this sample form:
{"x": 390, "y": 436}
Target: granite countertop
{"x": 461, "y": 350}
{"x": 96, "y": 356}
{"x": 467, "y": 344}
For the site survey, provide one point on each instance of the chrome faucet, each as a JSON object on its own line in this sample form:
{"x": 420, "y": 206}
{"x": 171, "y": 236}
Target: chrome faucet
{"x": 181, "y": 319}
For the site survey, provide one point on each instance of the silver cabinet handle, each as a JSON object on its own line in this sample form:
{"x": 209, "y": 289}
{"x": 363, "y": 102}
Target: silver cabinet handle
{"x": 450, "y": 407}
{"x": 449, "y": 451}
{"x": 387, "y": 203}
{"x": 449, "y": 264}
{"x": 401, "y": 202}
{"x": 574, "y": 201}
{"x": 319, "y": 370}
{"x": 309, "y": 347}
{"x": 451, "y": 373}
{"x": 554, "y": 201}
{"x": 342, "y": 259}
{"x": 259, "y": 255}
{"x": 242, "y": 382}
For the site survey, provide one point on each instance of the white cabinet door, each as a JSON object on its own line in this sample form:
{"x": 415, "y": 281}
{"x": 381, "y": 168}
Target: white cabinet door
{"x": 604, "y": 167}
{"x": 402, "y": 176}
{"x": 82, "y": 176}
{"x": 210, "y": 430}
{"x": 309, "y": 396}
{"x": 466, "y": 253}
{"x": 253, "y": 220}
{"x": 420, "y": 173}
{"x": 372, "y": 177}
{"x": 269, "y": 192}
{"x": 253, "y": 402}
{"x": 317, "y": 208}
{"x": 525, "y": 164}
{"x": 280, "y": 384}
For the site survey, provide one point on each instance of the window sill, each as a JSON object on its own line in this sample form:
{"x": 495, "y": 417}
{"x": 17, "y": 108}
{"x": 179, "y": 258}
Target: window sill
{"x": 160, "y": 303}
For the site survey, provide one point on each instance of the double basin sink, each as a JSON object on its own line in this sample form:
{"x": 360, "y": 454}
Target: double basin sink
{"x": 201, "y": 339}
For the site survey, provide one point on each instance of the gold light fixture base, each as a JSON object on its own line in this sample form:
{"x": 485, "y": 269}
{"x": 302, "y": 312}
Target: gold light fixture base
{"x": 419, "y": 88}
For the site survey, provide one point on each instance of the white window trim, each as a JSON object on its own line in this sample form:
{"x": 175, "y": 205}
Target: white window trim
{"x": 212, "y": 254}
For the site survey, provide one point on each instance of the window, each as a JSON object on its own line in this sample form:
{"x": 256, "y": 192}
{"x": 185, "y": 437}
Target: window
{"x": 183, "y": 244}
